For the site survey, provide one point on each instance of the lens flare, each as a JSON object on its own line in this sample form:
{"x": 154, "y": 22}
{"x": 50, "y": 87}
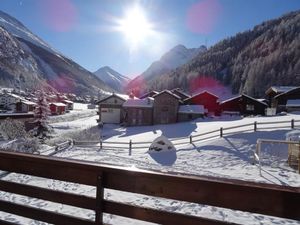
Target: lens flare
{"x": 208, "y": 83}
{"x": 203, "y": 16}
{"x": 59, "y": 15}
{"x": 63, "y": 83}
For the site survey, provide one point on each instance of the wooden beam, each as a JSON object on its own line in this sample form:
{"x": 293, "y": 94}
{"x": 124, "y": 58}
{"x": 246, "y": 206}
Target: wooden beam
{"x": 42, "y": 215}
{"x": 49, "y": 195}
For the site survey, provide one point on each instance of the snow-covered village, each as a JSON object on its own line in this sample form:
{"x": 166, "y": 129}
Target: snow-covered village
{"x": 179, "y": 135}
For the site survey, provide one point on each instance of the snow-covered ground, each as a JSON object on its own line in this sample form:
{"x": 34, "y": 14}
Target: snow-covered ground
{"x": 229, "y": 157}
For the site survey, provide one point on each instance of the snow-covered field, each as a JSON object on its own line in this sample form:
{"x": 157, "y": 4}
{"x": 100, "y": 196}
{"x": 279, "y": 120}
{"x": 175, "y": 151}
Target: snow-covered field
{"x": 229, "y": 157}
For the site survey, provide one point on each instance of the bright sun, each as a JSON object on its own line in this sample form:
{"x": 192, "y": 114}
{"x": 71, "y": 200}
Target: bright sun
{"x": 135, "y": 26}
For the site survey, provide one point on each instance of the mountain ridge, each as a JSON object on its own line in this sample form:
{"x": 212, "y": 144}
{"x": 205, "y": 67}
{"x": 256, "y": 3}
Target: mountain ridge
{"x": 29, "y": 62}
{"x": 248, "y": 62}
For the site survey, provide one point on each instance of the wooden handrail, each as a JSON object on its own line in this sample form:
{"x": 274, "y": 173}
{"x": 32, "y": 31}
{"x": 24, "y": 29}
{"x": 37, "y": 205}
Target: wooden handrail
{"x": 267, "y": 199}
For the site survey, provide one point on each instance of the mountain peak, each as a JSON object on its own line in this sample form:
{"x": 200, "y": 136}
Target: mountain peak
{"x": 179, "y": 47}
{"x": 112, "y": 78}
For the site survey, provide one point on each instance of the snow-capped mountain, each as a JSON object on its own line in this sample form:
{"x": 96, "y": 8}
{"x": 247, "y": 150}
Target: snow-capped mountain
{"x": 26, "y": 61}
{"x": 112, "y": 78}
{"x": 174, "y": 58}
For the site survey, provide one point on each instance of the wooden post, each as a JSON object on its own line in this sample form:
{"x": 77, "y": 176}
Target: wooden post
{"x": 99, "y": 200}
{"x": 221, "y": 131}
{"x": 292, "y": 123}
{"x": 100, "y": 144}
{"x": 130, "y": 147}
{"x": 191, "y": 139}
{"x": 255, "y": 126}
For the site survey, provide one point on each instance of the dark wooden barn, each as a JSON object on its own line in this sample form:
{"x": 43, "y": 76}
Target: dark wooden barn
{"x": 274, "y": 91}
{"x": 244, "y": 105}
{"x": 287, "y": 100}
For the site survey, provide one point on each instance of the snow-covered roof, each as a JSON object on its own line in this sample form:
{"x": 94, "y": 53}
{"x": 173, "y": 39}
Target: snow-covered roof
{"x": 261, "y": 99}
{"x": 191, "y": 109}
{"x": 287, "y": 92}
{"x": 141, "y": 103}
{"x": 148, "y": 94}
{"x": 168, "y": 92}
{"x": 57, "y": 104}
{"x": 247, "y": 96}
{"x": 181, "y": 92}
{"x": 293, "y": 102}
{"x": 282, "y": 89}
{"x": 67, "y": 101}
{"x": 230, "y": 99}
{"x": 202, "y": 92}
{"x": 15, "y": 96}
{"x": 28, "y": 102}
{"x": 123, "y": 96}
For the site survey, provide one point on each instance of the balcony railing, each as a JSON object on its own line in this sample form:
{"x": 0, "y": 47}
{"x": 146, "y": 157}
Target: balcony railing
{"x": 266, "y": 199}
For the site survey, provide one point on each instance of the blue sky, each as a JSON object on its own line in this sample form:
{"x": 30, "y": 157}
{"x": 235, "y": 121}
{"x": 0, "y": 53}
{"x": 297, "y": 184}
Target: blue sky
{"x": 85, "y": 30}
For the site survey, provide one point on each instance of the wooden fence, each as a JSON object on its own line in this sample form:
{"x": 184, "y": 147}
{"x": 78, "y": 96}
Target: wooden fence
{"x": 266, "y": 199}
{"x": 221, "y": 132}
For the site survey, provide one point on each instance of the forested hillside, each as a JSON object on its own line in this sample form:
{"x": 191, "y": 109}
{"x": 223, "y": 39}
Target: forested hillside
{"x": 249, "y": 62}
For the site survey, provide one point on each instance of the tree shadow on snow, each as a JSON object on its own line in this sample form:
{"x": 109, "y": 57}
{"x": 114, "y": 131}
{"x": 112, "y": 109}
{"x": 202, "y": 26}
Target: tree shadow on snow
{"x": 168, "y": 130}
{"x": 164, "y": 158}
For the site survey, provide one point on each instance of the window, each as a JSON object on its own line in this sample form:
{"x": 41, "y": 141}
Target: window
{"x": 249, "y": 107}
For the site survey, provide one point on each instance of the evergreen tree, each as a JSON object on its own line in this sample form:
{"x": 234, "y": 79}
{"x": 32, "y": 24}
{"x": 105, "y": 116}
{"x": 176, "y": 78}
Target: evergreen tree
{"x": 42, "y": 129}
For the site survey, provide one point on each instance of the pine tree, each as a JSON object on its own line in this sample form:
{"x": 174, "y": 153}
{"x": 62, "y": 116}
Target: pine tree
{"x": 42, "y": 129}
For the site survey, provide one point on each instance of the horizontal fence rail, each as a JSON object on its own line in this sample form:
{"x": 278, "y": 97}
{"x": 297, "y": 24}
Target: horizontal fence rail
{"x": 222, "y": 131}
{"x": 266, "y": 199}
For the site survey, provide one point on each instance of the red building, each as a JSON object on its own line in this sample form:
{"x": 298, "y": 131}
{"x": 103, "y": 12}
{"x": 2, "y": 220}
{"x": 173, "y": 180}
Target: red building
{"x": 57, "y": 108}
{"x": 207, "y": 99}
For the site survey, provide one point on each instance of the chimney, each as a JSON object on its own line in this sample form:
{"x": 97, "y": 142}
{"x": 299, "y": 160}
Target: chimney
{"x": 131, "y": 96}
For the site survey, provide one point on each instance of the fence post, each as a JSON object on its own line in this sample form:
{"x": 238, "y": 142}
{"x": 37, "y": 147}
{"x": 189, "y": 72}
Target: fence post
{"x": 130, "y": 147}
{"x": 99, "y": 200}
{"x": 191, "y": 139}
{"x": 255, "y": 126}
{"x": 100, "y": 144}
{"x": 292, "y": 123}
{"x": 221, "y": 131}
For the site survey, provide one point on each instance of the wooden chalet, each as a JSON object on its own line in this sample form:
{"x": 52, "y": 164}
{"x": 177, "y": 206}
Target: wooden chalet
{"x": 276, "y": 90}
{"x": 190, "y": 112}
{"x": 57, "y": 108}
{"x": 25, "y": 106}
{"x": 138, "y": 111}
{"x": 243, "y": 105}
{"x": 111, "y": 108}
{"x": 165, "y": 107}
{"x": 207, "y": 99}
{"x": 288, "y": 101}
